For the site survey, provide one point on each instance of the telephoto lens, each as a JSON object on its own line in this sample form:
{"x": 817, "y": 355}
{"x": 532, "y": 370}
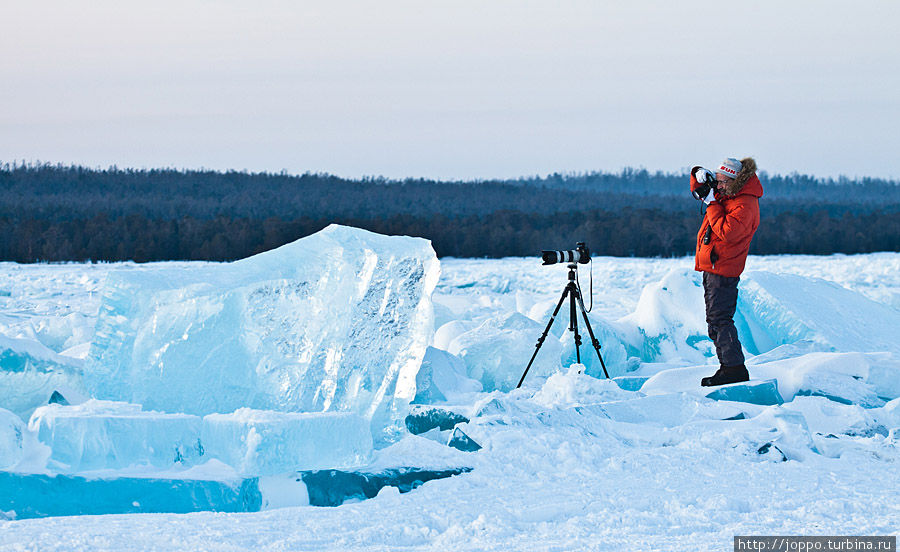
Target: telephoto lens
{"x": 581, "y": 254}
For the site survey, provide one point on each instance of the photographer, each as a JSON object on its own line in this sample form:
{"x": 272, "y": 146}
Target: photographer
{"x": 732, "y": 216}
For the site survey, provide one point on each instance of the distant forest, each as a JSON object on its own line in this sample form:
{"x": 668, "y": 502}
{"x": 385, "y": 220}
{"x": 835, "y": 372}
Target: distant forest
{"x": 71, "y": 213}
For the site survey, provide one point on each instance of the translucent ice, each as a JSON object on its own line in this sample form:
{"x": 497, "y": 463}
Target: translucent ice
{"x": 105, "y": 434}
{"x": 258, "y": 442}
{"x": 12, "y": 433}
{"x": 30, "y": 373}
{"x": 631, "y": 383}
{"x": 663, "y": 410}
{"x": 335, "y": 322}
{"x": 35, "y": 495}
{"x": 827, "y": 417}
{"x": 612, "y": 350}
{"x": 497, "y": 352}
{"x": 442, "y": 376}
{"x": 670, "y": 321}
{"x": 754, "y": 392}
{"x": 775, "y": 309}
{"x": 865, "y": 379}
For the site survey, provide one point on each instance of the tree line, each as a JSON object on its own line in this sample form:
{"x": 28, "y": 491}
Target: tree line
{"x": 65, "y": 213}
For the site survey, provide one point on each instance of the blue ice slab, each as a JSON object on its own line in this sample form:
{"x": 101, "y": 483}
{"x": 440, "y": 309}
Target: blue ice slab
{"x": 333, "y": 487}
{"x": 760, "y": 392}
{"x": 35, "y": 496}
{"x": 630, "y": 383}
{"x": 460, "y": 441}
{"x": 424, "y": 418}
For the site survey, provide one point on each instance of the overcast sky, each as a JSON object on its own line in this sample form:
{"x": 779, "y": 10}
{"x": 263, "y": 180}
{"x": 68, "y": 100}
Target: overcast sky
{"x": 452, "y": 89}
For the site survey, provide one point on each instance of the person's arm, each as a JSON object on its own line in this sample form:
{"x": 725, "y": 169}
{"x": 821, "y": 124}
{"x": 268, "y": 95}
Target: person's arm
{"x": 730, "y": 227}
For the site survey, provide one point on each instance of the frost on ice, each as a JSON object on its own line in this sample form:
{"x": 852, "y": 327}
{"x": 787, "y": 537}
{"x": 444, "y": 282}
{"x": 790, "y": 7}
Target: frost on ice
{"x": 335, "y": 322}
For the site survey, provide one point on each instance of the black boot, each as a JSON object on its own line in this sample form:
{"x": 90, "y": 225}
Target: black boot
{"x": 727, "y": 374}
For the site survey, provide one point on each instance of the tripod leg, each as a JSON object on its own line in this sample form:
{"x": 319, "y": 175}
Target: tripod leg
{"x": 573, "y": 321}
{"x": 541, "y": 339}
{"x": 590, "y": 330}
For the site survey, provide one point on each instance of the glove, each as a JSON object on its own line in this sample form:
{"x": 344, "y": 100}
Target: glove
{"x": 709, "y": 197}
{"x": 702, "y": 175}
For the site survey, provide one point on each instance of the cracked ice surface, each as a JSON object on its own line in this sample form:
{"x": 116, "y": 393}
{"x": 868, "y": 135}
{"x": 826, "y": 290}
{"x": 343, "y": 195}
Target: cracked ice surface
{"x": 335, "y": 322}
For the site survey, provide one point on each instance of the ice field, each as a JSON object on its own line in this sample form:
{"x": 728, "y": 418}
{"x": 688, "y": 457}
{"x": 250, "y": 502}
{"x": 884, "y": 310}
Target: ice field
{"x": 350, "y": 391}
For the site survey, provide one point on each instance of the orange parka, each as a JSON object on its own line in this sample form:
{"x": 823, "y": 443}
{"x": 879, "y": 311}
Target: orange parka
{"x": 729, "y": 224}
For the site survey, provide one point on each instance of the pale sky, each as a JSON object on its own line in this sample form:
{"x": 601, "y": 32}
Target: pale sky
{"x": 452, "y": 89}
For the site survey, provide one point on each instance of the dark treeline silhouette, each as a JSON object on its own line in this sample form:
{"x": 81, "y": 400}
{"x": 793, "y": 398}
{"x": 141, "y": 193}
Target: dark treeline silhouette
{"x": 64, "y": 213}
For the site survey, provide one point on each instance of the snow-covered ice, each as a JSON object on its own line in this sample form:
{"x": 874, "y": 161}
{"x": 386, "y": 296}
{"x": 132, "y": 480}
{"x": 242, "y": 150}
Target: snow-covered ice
{"x": 568, "y": 462}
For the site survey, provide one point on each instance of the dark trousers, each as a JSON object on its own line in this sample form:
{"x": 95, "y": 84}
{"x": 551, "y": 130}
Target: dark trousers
{"x": 720, "y": 293}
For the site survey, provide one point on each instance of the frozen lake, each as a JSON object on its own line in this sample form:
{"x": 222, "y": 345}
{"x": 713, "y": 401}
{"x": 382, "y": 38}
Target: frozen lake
{"x": 570, "y": 462}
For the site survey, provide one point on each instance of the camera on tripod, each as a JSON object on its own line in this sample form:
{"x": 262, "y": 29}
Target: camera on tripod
{"x": 572, "y": 292}
{"x": 581, "y": 254}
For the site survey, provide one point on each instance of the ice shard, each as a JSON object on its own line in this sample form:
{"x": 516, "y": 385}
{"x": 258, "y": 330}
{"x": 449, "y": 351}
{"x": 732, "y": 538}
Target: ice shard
{"x": 335, "y": 322}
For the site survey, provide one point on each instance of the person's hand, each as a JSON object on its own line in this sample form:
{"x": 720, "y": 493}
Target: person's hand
{"x": 710, "y": 197}
{"x": 702, "y": 175}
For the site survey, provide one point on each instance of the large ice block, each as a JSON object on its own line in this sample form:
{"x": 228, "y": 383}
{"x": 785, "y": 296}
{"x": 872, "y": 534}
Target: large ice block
{"x": 335, "y": 322}
{"x": 30, "y": 373}
{"x": 12, "y": 434}
{"x": 775, "y": 309}
{"x": 108, "y": 435}
{"x": 258, "y": 442}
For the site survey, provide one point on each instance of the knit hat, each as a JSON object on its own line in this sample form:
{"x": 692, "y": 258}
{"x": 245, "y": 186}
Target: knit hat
{"x": 730, "y": 167}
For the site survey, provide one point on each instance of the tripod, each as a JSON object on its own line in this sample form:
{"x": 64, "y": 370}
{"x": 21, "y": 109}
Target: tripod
{"x": 574, "y": 294}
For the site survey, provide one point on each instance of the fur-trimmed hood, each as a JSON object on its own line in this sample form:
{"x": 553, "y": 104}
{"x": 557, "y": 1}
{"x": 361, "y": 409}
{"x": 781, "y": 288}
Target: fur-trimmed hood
{"x": 746, "y": 177}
